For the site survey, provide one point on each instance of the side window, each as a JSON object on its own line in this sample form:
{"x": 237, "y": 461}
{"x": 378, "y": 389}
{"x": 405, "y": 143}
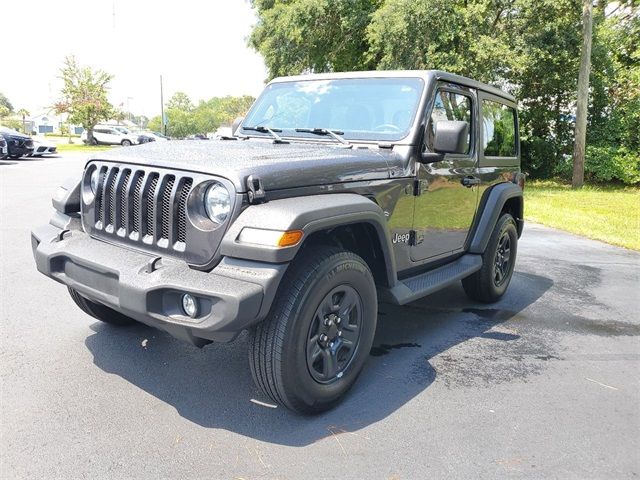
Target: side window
{"x": 448, "y": 106}
{"x": 499, "y": 129}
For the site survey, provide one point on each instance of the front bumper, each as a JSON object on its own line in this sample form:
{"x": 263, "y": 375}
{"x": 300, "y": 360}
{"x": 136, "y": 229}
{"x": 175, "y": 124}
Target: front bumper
{"x": 21, "y": 151}
{"x": 148, "y": 288}
{"x": 39, "y": 151}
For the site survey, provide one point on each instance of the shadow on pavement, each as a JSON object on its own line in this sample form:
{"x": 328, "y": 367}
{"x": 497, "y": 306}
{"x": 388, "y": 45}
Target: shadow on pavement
{"x": 30, "y": 159}
{"x": 212, "y": 387}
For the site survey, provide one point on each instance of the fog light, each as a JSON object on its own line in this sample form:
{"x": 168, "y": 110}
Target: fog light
{"x": 190, "y": 305}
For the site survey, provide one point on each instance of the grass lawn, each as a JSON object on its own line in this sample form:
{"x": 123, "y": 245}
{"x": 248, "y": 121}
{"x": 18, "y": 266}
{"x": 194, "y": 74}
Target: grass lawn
{"x": 67, "y": 147}
{"x": 609, "y": 214}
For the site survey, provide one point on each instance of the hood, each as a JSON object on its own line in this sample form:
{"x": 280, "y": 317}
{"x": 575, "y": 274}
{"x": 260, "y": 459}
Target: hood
{"x": 277, "y": 165}
{"x": 12, "y": 134}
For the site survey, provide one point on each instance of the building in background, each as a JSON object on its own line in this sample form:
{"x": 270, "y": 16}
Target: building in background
{"x": 48, "y": 122}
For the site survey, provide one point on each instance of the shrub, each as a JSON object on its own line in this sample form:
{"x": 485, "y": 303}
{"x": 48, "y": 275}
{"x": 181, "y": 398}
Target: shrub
{"x": 538, "y": 157}
{"x": 604, "y": 165}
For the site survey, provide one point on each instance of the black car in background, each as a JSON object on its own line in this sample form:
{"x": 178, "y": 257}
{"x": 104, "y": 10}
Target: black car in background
{"x": 144, "y": 138}
{"x": 18, "y": 144}
{"x": 158, "y": 134}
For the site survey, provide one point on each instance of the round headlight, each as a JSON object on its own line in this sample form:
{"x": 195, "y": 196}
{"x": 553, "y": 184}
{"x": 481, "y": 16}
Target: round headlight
{"x": 95, "y": 176}
{"x": 217, "y": 202}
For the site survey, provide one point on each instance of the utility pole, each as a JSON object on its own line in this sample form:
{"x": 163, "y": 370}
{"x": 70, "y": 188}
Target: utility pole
{"x": 163, "y": 123}
{"x": 129, "y": 107}
{"x": 582, "y": 103}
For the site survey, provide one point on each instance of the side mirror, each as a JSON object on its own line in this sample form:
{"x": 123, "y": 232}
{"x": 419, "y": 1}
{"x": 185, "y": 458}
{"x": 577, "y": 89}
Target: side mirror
{"x": 451, "y": 136}
{"x": 236, "y": 124}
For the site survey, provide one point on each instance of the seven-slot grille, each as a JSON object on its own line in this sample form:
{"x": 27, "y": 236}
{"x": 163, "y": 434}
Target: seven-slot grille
{"x": 141, "y": 205}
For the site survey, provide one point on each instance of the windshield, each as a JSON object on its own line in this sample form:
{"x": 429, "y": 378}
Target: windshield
{"x": 378, "y": 109}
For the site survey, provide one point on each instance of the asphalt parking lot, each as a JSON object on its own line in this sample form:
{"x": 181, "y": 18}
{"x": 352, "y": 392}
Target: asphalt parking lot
{"x": 543, "y": 384}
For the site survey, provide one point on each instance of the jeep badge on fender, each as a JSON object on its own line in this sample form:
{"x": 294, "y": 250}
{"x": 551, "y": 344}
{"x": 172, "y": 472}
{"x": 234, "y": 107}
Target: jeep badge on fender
{"x": 336, "y": 192}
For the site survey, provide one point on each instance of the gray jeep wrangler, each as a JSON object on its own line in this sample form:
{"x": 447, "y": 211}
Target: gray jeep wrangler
{"x": 336, "y": 192}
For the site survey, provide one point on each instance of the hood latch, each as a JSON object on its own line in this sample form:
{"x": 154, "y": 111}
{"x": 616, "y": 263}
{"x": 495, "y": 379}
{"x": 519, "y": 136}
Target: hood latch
{"x": 255, "y": 191}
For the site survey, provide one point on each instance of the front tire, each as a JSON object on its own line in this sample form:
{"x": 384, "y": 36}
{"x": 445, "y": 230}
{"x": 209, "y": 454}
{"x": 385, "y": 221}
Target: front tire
{"x": 489, "y": 283}
{"x": 309, "y": 351}
{"x": 99, "y": 311}
{"x": 126, "y": 143}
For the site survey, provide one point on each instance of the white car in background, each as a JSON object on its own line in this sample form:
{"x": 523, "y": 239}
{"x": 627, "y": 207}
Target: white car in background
{"x": 43, "y": 147}
{"x": 107, "y": 135}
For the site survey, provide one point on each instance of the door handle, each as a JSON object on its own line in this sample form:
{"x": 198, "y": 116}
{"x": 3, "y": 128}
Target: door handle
{"x": 470, "y": 181}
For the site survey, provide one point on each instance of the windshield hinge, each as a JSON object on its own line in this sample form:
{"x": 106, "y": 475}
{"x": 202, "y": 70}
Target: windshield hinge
{"x": 255, "y": 192}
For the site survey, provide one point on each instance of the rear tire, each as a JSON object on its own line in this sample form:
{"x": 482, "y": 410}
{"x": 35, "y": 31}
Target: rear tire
{"x": 489, "y": 283}
{"x": 99, "y": 311}
{"x": 309, "y": 351}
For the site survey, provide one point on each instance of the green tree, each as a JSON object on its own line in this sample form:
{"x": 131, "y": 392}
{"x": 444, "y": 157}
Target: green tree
{"x": 312, "y": 35}
{"x": 140, "y": 120}
{"x": 614, "y": 118}
{"x": 5, "y": 105}
{"x": 180, "y": 101}
{"x": 184, "y": 119}
{"x": 84, "y": 95}
{"x": 118, "y": 115}
{"x": 545, "y": 36}
{"x": 467, "y": 38}
{"x": 530, "y": 48}
{"x": 24, "y": 113}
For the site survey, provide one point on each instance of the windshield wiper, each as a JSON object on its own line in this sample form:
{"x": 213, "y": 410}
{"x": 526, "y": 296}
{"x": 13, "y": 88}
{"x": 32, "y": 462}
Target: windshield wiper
{"x": 271, "y": 131}
{"x": 325, "y": 131}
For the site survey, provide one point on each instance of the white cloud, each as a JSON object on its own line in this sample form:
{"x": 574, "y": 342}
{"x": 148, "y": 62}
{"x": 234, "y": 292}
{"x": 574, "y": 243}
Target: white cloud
{"x": 198, "y": 46}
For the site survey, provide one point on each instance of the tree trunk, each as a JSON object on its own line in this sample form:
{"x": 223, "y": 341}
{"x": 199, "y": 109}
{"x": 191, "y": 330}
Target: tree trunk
{"x": 582, "y": 104}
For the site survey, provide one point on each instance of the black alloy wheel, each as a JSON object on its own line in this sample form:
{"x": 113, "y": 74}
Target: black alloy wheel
{"x": 334, "y": 334}
{"x": 503, "y": 259}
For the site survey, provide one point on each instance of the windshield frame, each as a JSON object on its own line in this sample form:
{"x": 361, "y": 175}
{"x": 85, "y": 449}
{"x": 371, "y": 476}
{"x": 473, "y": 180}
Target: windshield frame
{"x": 291, "y": 134}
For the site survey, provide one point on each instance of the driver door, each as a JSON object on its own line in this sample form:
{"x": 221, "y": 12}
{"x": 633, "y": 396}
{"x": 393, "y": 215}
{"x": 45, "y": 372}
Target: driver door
{"x": 447, "y": 191}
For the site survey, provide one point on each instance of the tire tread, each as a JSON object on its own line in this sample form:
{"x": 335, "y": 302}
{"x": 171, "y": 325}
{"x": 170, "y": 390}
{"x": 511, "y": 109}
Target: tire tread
{"x": 478, "y": 286}
{"x": 265, "y": 351}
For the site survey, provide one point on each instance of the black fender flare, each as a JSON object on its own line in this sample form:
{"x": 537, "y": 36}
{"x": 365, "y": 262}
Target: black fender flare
{"x": 310, "y": 214}
{"x": 491, "y": 206}
{"x": 66, "y": 198}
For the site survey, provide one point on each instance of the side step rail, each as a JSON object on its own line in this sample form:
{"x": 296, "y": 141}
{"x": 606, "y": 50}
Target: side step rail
{"x": 418, "y": 286}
